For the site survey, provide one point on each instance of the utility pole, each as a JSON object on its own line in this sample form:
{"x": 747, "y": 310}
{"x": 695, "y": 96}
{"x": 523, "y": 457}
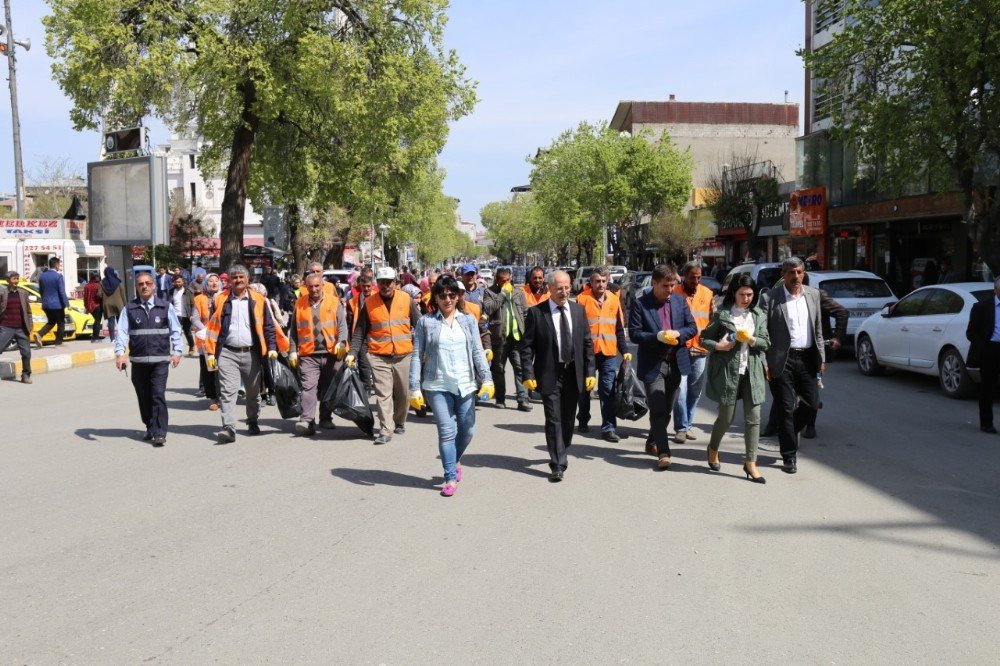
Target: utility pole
{"x": 15, "y": 120}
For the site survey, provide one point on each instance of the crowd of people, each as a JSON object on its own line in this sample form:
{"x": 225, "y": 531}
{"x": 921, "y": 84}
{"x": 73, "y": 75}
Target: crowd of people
{"x": 440, "y": 342}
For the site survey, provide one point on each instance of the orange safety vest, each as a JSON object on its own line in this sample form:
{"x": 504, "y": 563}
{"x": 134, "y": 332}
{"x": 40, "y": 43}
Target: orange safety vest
{"x": 603, "y": 320}
{"x": 701, "y": 309}
{"x": 214, "y": 325}
{"x": 475, "y": 310}
{"x": 389, "y": 330}
{"x": 201, "y": 305}
{"x": 328, "y": 310}
{"x": 352, "y": 305}
{"x": 529, "y": 295}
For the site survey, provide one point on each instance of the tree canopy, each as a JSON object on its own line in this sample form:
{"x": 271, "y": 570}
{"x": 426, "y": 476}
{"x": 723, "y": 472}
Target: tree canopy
{"x": 912, "y": 87}
{"x": 318, "y": 102}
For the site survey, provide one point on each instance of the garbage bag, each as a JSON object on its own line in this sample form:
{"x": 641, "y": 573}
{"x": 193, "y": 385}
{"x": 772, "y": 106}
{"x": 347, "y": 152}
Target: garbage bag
{"x": 287, "y": 390}
{"x": 347, "y": 398}
{"x": 630, "y": 394}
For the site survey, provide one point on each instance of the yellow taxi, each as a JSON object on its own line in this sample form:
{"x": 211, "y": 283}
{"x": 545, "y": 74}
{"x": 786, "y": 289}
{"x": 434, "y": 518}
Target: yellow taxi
{"x": 70, "y": 321}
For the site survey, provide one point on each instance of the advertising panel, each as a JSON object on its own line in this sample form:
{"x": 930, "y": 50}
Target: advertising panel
{"x": 807, "y": 212}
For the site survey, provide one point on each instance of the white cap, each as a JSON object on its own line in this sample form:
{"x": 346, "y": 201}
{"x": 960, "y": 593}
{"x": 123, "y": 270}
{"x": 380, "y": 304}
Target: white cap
{"x": 385, "y": 273}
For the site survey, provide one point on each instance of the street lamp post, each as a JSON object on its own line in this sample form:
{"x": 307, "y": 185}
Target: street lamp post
{"x": 383, "y": 227}
{"x": 15, "y": 120}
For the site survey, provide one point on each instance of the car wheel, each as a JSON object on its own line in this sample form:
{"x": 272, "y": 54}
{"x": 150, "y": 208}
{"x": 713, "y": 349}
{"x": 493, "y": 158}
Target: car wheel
{"x": 955, "y": 380}
{"x": 867, "y": 361}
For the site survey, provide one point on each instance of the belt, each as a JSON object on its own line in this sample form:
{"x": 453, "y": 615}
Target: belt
{"x": 799, "y": 352}
{"x": 561, "y": 365}
{"x": 237, "y": 349}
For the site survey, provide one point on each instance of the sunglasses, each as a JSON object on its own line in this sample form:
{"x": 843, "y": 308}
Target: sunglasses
{"x": 448, "y": 296}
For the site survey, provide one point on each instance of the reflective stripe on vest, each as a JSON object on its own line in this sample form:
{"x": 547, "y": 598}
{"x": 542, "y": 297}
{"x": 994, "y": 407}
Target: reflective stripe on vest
{"x": 149, "y": 359}
{"x": 150, "y": 331}
{"x": 701, "y": 309}
{"x": 603, "y": 321}
{"x": 389, "y": 327}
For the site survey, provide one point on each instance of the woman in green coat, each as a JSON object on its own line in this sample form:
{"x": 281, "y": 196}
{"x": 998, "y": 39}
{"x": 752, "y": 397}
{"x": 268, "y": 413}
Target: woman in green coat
{"x": 736, "y": 340}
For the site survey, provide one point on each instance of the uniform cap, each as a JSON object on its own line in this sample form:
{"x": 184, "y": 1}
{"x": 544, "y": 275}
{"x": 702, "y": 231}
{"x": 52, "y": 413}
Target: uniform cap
{"x": 385, "y": 273}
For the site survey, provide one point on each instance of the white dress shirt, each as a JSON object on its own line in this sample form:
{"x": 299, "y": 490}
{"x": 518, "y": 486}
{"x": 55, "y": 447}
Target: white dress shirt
{"x": 557, "y": 320}
{"x": 799, "y": 322}
{"x": 239, "y": 323}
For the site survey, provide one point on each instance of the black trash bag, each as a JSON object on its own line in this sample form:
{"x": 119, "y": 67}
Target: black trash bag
{"x": 347, "y": 398}
{"x": 630, "y": 394}
{"x": 285, "y": 385}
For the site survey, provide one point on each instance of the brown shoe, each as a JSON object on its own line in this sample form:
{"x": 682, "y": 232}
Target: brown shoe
{"x": 25, "y": 379}
{"x": 663, "y": 462}
{"x": 214, "y": 407}
{"x": 651, "y": 449}
{"x": 689, "y": 434}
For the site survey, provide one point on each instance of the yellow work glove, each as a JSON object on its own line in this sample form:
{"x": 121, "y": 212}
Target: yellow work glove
{"x": 340, "y": 351}
{"x": 350, "y": 360}
{"x": 627, "y": 357}
{"x": 742, "y": 335}
{"x": 417, "y": 400}
{"x": 487, "y": 391}
{"x": 489, "y": 355}
{"x": 530, "y": 384}
{"x": 272, "y": 354}
{"x": 590, "y": 383}
{"x": 508, "y": 287}
{"x": 210, "y": 363}
{"x": 662, "y": 337}
{"x": 293, "y": 360}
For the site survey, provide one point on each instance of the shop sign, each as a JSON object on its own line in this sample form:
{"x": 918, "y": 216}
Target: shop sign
{"x": 31, "y": 228}
{"x": 807, "y": 212}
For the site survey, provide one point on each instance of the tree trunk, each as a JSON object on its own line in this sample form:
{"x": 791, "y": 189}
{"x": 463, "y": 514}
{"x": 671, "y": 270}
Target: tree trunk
{"x": 293, "y": 219}
{"x": 237, "y": 176}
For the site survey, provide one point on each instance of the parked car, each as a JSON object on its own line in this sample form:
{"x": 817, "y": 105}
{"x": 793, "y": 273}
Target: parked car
{"x": 925, "y": 333}
{"x": 765, "y": 274}
{"x": 861, "y": 292}
{"x": 581, "y": 278}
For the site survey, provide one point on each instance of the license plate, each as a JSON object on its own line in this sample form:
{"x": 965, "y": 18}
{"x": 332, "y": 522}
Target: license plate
{"x": 855, "y": 314}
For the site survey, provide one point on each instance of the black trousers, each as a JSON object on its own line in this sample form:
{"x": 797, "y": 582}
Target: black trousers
{"x": 150, "y": 382}
{"x": 797, "y": 379}
{"x": 560, "y": 414}
{"x": 661, "y": 394}
{"x": 186, "y": 327}
{"x": 209, "y": 381}
{"x": 987, "y": 389}
{"x": 97, "y": 313}
{"x": 54, "y": 319}
{"x": 503, "y": 352}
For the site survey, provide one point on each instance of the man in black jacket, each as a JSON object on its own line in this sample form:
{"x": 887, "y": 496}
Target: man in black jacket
{"x": 983, "y": 334}
{"x": 557, "y": 357}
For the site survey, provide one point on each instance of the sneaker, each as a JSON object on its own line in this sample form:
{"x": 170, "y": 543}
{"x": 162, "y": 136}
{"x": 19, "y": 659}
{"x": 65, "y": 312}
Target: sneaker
{"x": 400, "y": 430}
{"x": 663, "y": 462}
{"x": 38, "y": 340}
{"x": 610, "y": 436}
{"x": 327, "y": 424}
{"x": 501, "y": 405}
{"x": 523, "y": 406}
{"x": 227, "y": 435}
{"x": 253, "y": 428}
{"x": 680, "y": 436}
{"x": 690, "y": 435}
{"x": 159, "y": 441}
{"x": 383, "y": 439}
{"x": 305, "y": 428}
{"x": 25, "y": 378}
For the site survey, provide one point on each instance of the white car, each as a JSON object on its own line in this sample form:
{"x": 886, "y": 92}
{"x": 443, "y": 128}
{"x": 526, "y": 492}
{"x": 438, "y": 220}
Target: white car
{"x": 861, "y": 292}
{"x": 924, "y": 332}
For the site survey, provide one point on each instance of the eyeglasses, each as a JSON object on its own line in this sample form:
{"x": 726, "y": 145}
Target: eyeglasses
{"x": 447, "y": 295}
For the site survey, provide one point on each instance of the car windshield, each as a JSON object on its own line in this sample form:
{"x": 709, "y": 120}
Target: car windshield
{"x": 766, "y": 277}
{"x": 585, "y": 272}
{"x": 856, "y": 288}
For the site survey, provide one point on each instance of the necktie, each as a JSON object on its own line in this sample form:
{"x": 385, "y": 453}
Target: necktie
{"x": 565, "y": 342}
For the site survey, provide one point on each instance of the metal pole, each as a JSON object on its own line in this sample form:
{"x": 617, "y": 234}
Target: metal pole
{"x": 15, "y": 120}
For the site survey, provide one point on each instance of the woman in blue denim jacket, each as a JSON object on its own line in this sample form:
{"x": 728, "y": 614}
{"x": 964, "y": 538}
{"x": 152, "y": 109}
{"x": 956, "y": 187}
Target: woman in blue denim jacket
{"x": 450, "y": 365}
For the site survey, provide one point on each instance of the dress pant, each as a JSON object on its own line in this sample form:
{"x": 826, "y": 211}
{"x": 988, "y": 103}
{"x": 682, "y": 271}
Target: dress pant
{"x": 607, "y": 370}
{"x": 365, "y": 366}
{"x": 150, "y": 382}
{"x": 23, "y": 345}
{"x": 207, "y": 380}
{"x": 661, "y": 394}
{"x": 315, "y": 373}
{"x": 233, "y": 367}
{"x": 186, "y": 327}
{"x": 560, "y": 411}
{"x": 987, "y": 389}
{"x": 97, "y": 313}
{"x": 798, "y": 379}
{"x": 54, "y": 319}
{"x": 392, "y": 380}
{"x": 507, "y": 350}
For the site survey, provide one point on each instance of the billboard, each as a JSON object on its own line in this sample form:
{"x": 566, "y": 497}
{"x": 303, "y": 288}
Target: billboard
{"x": 128, "y": 201}
{"x": 807, "y": 212}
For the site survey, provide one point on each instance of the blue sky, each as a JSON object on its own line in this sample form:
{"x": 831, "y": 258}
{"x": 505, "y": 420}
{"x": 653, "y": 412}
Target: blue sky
{"x": 542, "y": 66}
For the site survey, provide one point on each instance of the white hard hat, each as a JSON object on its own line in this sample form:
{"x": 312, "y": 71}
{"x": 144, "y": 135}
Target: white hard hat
{"x": 385, "y": 273}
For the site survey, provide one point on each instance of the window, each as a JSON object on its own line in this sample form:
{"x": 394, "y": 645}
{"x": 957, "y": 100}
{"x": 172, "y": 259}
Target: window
{"x": 191, "y": 157}
{"x": 194, "y": 195}
{"x": 826, "y": 13}
{"x": 87, "y": 267}
{"x": 910, "y": 305}
{"x": 4, "y": 265}
{"x": 856, "y": 288}
{"x": 942, "y": 302}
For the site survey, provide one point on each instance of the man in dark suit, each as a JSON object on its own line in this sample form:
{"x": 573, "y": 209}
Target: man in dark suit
{"x": 796, "y": 355}
{"x": 557, "y": 356}
{"x": 660, "y": 323}
{"x": 983, "y": 333}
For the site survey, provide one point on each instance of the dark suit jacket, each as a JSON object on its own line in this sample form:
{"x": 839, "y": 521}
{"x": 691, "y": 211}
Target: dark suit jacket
{"x": 982, "y": 320}
{"x": 644, "y": 324}
{"x": 539, "y": 350}
{"x": 772, "y": 302}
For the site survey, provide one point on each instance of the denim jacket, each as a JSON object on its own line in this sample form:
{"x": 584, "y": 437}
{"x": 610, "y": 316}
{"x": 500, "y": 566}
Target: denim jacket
{"x": 425, "y": 348}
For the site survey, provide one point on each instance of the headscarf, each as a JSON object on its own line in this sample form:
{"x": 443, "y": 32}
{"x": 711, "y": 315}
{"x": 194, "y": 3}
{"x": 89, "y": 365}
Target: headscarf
{"x": 111, "y": 280}
{"x": 425, "y": 285}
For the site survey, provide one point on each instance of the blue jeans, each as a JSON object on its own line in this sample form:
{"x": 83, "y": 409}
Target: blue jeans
{"x": 607, "y": 368}
{"x": 455, "y": 417}
{"x": 689, "y": 393}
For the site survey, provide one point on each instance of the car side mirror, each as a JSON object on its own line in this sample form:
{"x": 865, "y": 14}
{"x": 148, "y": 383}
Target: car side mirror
{"x": 887, "y": 310}
{"x": 32, "y": 298}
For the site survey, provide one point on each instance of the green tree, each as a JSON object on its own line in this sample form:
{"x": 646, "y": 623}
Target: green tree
{"x": 743, "y": 194}
{"x": 314, "y": 103}
{"x": 912, "y": 88}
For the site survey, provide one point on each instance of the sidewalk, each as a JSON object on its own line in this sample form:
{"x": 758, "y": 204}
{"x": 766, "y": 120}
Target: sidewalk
{"x": 72, "y": 354}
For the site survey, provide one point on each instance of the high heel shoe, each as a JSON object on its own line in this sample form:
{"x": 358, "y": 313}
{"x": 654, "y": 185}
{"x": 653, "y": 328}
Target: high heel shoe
{"x": 755, "y": 479}
{"x": 713, "y": 464}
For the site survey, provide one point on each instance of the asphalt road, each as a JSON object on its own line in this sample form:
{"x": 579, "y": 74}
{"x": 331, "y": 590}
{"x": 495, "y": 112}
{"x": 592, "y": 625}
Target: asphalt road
{"x": 883, "y": 549}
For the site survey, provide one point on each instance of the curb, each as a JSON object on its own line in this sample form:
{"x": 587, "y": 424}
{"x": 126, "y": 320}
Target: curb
{"x": 12, "y": 369}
